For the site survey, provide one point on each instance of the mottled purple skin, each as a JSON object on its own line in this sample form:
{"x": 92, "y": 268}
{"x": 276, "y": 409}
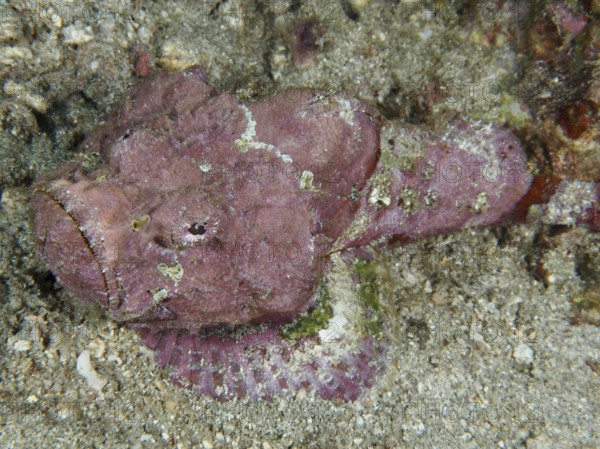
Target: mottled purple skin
{"x": 472, "y": 176}
{"x": 172, "y": 155}
{"x": 261, "y": 365}
{"x": 209, "y": 213}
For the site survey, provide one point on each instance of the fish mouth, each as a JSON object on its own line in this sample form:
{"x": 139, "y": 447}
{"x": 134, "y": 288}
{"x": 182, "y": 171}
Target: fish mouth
{"x": 63, "y": 245}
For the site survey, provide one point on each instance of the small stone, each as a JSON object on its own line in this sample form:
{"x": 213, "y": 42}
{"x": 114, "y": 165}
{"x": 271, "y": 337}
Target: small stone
{"x": 11, "y": 55}
{"x": 147, "y": 438}
{"x": 440, "y": 297}
{"x": 107, "y": 25}
{"x": 523, "y": 354}
{"x": 87, "y": 371}
{"x": 10, "y": 28}
{"x": 22, "y": 346}
{"x": 176, "y": 56}
{"x": 359, "y": 5}
{"x": 427, "y": 288}
{"x": 409, "y": 277}
{"x": 35, "y": 101}
{"x": 480, "y": 342}
{"x": 144, "y": 34}
{"x": 77, "y": 34}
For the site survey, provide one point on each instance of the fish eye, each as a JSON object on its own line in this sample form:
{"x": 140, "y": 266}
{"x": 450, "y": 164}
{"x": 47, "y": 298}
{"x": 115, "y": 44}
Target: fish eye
{"x": 197, "y": 228}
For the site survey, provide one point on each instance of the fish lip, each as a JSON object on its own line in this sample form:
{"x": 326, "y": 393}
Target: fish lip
{"x": 43, "y": 195}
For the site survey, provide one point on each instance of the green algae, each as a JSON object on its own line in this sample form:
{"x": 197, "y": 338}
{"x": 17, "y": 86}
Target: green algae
{"x": 369, "y": 295}
{"x": 91, "y": 162}
{"x": 312, "y": 322}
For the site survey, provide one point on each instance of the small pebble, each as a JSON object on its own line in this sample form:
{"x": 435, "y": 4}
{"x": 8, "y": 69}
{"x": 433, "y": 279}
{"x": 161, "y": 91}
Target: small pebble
{"x": 77, "y": 34}
{"x": 523, "y": 354}
{"x": 439, "y": 297}
{"x": 87, "y": 371}
{"x": 359, "y": 5}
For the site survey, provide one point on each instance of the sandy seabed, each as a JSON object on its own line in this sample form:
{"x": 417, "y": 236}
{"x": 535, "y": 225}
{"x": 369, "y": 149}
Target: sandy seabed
{"x": 485, "y": 349}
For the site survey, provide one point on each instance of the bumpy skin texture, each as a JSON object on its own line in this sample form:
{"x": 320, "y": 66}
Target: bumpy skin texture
{"x": 218, "y": 181}
{"x": 262, "y": 365}
{"x": 206, "y": 213}
{"x": 473, "y": 175}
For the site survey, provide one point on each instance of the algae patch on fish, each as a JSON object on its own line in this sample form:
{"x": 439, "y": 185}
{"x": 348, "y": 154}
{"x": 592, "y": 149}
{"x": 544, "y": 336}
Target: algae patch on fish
{"x": 173, "y": 272}
{"x": 92, "y": 161}
{"x": 312, "y": 322}
{"x": 320, "y": 317}
{"x": 369, "y": 295}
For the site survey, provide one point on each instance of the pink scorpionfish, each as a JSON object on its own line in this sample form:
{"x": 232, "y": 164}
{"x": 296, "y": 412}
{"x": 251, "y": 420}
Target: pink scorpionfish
{"x": 207, "y": 224}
